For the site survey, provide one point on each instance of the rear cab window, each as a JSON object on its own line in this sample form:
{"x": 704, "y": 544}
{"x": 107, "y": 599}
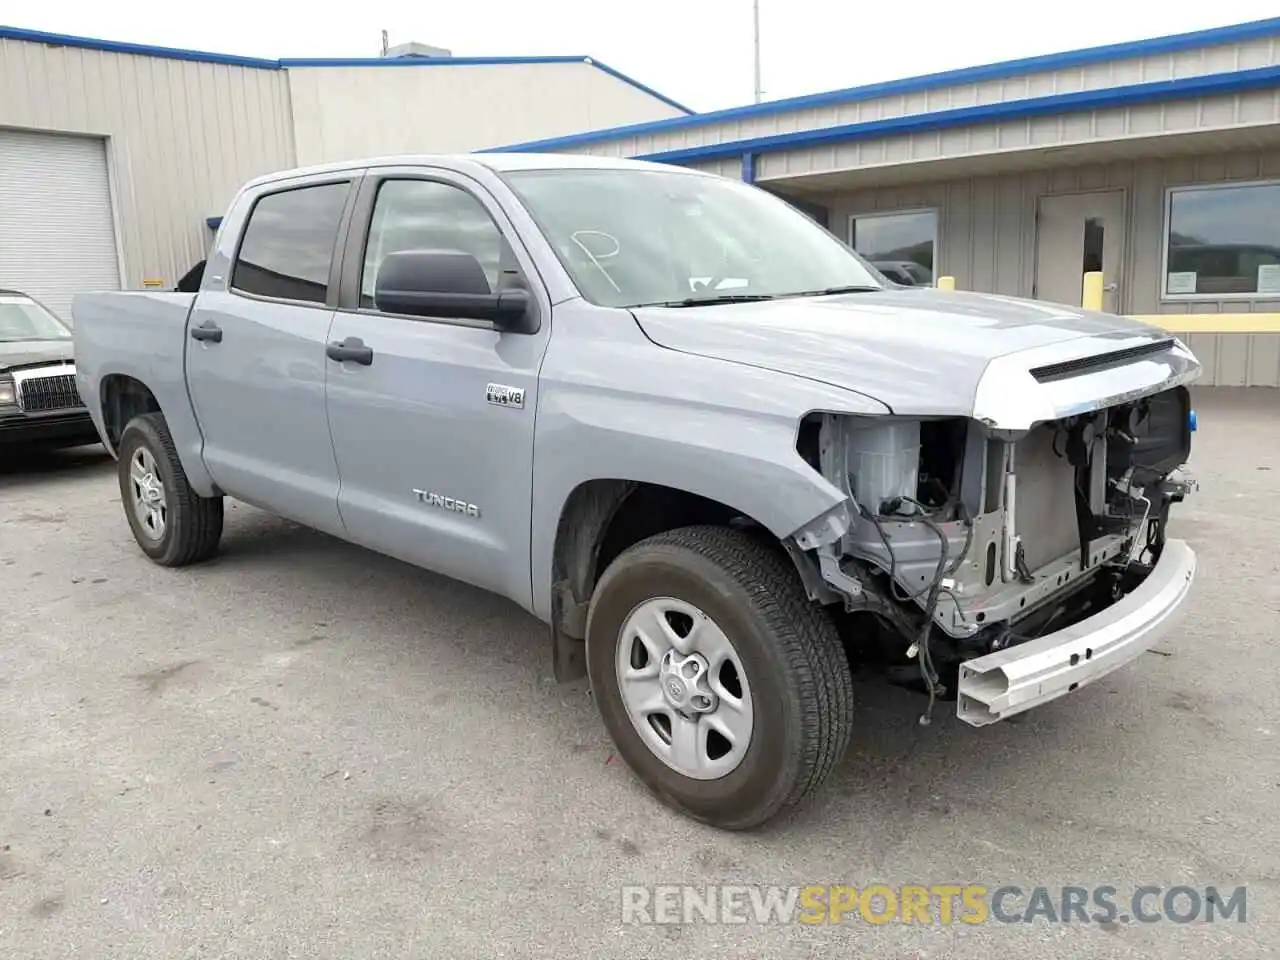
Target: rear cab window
{"x": 287, "y": 249}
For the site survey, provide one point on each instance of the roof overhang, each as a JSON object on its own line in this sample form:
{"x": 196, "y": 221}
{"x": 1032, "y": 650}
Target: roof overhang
{"x": 817, "y": 186}
{"x": 1110, "y": 53}
{"x": 1159, "y": 91}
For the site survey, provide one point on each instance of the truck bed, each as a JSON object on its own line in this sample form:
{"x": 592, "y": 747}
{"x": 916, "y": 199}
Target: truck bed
{"x": 142, "y": 336}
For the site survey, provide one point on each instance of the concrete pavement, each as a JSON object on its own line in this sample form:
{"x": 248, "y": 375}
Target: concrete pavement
{"x": 306, "y": 750}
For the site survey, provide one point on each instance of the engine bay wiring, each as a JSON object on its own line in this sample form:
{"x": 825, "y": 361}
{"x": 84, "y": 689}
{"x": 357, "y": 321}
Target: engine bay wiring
{"x": 932, "y": 591}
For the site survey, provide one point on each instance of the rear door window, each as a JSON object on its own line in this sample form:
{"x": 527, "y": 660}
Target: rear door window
{"x": 287, "y": 250}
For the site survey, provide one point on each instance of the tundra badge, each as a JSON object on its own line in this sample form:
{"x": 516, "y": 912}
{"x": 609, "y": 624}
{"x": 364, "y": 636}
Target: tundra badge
{"x": 452, "y": 504}
{"x": 501, "y": 395}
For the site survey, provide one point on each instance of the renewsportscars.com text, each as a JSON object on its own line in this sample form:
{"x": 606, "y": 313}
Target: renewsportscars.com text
{"x": 928, "y": 904}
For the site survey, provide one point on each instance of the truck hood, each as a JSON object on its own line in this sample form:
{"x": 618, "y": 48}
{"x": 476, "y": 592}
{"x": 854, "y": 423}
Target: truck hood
{"x": 925, "y": 351}
{"x": 23, "y": 353}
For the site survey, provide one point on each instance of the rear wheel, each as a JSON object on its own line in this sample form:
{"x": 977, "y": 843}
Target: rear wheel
{"x": 724, "y": 688}
{"x": 173, "y": 524}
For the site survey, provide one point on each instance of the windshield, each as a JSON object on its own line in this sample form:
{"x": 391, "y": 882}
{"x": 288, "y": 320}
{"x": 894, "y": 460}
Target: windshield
{"x": 638, "y": 237}
{"x": 21, "y": 318}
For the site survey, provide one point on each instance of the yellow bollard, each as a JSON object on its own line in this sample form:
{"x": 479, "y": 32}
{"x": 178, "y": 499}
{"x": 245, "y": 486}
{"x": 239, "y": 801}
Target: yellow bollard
{"x": 1091, "y": 296}
{"x": 946, "y": 283}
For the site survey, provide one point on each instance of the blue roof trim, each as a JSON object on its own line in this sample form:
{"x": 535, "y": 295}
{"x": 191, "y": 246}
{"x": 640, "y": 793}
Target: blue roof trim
{"x": 420, "y": 61}
{"x": 1236, "y": 33}
{"x": 643, "y": 88}
{"x": 201, "y": 56}
{"x": 138, "y": 49}
{"x": 1243, "y": 81}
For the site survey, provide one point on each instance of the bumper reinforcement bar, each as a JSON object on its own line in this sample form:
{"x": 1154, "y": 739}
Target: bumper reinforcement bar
{"x": 1010, "y": 681}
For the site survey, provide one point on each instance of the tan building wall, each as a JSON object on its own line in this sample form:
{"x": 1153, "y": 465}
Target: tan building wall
{"x": 342, "y": 113}
{"x": 180, "y": 136}
{"x": 181, "y": 133}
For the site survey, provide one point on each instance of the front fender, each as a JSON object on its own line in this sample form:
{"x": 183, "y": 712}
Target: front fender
{"x": 718, "y": 429}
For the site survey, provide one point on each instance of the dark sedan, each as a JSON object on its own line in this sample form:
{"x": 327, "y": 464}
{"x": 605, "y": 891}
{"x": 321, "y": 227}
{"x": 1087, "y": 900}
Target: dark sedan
{"x": 39, "y": 403}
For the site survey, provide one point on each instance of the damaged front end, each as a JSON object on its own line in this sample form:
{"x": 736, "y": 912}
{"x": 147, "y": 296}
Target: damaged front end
{"x": 1009, "y": 559}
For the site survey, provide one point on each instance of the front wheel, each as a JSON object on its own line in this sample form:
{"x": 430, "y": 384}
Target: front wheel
{"x": 724, "y": 688}
{"x": 173, "y": 524}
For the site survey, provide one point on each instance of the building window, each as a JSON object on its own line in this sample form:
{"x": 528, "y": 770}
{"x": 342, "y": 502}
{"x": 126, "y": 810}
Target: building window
{"x": 900, "y": 244}
{"x": 1223, "y": 242}
{"x": 287, "y": 248}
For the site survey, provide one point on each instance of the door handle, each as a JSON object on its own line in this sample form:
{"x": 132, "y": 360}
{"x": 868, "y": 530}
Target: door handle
{"x": 352, "y": 349}
{"x": 208, "y": 332}
{"x": 1111, "y": 288}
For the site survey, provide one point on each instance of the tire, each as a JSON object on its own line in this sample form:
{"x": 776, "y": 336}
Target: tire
{"x": 799, "y": 682}
{"x": 192, "y": 524}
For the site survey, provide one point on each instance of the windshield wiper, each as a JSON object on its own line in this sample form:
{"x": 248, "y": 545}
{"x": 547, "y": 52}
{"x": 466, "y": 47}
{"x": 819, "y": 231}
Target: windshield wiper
{"x": 722, "y": 298}
{"x": 711, "y": 301}
{"x": 829, "y": 291}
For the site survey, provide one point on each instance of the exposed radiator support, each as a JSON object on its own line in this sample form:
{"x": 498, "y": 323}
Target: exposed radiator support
{"x": 1010, "y": 524}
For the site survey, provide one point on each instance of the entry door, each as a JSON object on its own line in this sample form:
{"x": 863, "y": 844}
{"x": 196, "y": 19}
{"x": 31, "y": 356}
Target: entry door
{"x": 433, "y": 426}
{"x": 256, "y": 363}
{"x": 1077, "y": 234}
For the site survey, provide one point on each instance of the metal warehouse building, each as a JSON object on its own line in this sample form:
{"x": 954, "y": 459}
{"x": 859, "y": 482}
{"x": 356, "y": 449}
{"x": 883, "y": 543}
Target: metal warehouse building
{"x": 116, "y": 159}
{"x": 1156, "y": 162}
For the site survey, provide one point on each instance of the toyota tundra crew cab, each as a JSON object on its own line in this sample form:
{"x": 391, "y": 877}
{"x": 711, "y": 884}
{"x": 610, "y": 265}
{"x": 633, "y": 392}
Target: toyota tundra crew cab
{"x": 681, "y": 424}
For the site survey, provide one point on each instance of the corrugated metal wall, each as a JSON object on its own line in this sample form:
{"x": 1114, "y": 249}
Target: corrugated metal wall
{"x": 987, "y": 240}
{"x": 182, "y": 137}
{"x": 343, "y": 113}
{"x": 729, "y": 167}
{"x": 1096, "y": 131}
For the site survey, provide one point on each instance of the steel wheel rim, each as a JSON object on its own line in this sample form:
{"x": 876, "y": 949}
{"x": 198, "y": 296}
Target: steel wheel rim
{"x": 684, "y": 688}
{"x": 150, "y": 503}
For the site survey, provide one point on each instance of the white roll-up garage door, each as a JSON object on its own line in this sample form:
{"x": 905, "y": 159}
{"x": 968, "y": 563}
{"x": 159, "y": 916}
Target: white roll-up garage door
{"x": 57, "y": 237}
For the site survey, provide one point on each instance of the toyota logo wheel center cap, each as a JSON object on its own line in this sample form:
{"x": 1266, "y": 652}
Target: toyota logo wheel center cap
{"x": 686, "y": 683}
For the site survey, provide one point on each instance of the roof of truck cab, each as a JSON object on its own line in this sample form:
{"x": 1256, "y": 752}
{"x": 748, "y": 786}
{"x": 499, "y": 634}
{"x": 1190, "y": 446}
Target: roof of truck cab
{"x": 498, "y": 162}
{"x": 567, "y": 161}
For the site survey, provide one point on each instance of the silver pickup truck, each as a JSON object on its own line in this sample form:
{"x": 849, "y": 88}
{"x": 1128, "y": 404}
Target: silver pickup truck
{"x": 680, "y": 423}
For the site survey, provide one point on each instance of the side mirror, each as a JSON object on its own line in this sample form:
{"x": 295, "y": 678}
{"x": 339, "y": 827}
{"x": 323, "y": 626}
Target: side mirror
{"x": 450, "y": 283}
